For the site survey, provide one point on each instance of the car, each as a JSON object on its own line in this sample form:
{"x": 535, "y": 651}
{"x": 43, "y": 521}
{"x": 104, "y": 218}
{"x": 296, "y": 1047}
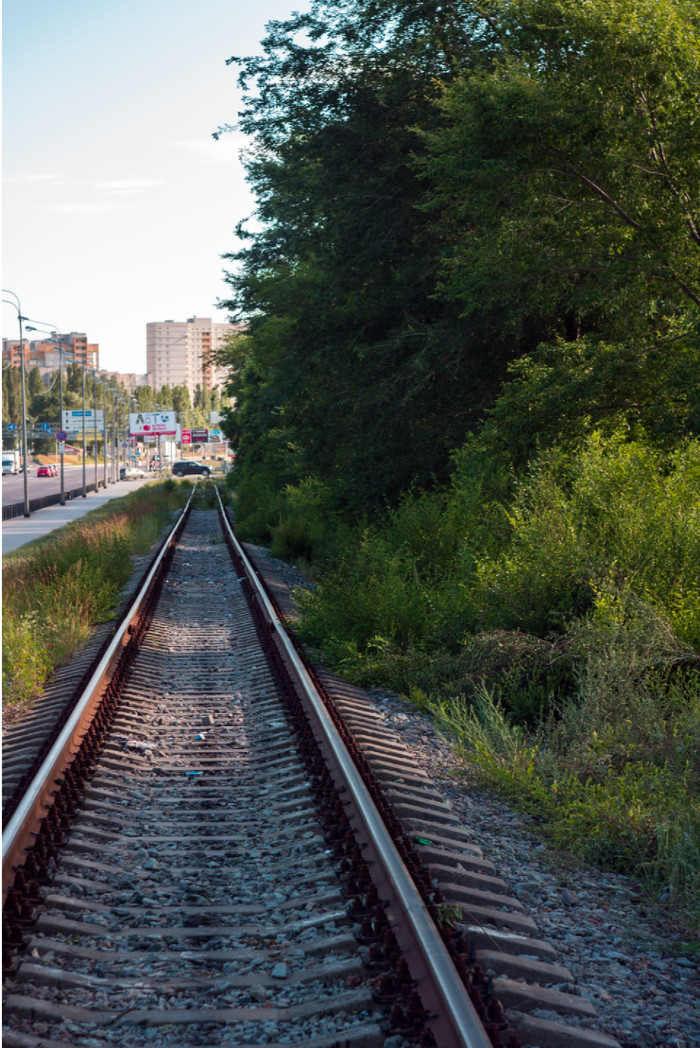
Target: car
{"x": 44, "y": 471}
{"x": 132, "y": 473}
{"x": 189, "y": 467}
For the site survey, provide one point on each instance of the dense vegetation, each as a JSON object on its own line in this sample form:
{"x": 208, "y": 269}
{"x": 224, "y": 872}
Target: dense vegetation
{"x": 469, "y": 396}
{"x": 43, "y": 399}
{"x": 57, "y": 589}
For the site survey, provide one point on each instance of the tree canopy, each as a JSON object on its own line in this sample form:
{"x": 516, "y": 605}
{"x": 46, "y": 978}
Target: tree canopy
{"x": 444, "y": 190}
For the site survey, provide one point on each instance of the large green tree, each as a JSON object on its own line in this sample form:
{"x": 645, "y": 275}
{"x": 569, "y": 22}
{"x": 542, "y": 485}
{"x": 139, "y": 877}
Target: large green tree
{"x": 371, "y": 377}
{"x": 567, "y": 176}
{"x": 443, "y": 188}
{"x": 565, "y": 181}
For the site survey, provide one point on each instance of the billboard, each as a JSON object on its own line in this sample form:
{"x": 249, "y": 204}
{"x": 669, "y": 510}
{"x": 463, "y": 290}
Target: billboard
{"x": 152, "y": 424}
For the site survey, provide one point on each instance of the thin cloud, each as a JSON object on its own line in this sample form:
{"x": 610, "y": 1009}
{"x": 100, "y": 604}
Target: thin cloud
{"x": 19, "y": 177}
{"x": 130, "y": 185}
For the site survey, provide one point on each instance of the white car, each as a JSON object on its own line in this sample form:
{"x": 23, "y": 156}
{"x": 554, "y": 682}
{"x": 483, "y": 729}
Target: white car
{"x": 132, "y": 473}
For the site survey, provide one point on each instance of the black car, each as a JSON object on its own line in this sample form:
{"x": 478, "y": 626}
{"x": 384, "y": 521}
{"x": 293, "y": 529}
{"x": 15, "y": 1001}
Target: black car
{"x": 187, "y": 468}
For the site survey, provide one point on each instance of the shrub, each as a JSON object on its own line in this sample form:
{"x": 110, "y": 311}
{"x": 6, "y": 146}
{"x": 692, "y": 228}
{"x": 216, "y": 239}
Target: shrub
{"x": 305, "y": 529}
{"x": 612, "y": 507}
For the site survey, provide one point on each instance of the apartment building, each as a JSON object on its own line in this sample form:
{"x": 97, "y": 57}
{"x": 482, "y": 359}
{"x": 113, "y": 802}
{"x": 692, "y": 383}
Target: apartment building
{"x": 44, "y": 353}
{"x": 178, "y": 352}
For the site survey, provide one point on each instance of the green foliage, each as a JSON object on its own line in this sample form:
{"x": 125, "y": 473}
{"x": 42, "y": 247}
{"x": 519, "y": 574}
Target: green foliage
{"x": 397, "y": 589}
{"x": 304, "y": 531}
{"x": 613, "y": 509}
{"x": 25, "y": 663}
{"x": 57, "y": 589}
{"x": 256, "y": 505}
{"x": 472, "y": 325}
{"x": 558, "y": 638}
{"x": 566, "y": 173}
{"x": 365, "y": 377}
{"x": 565, "y": 390}
{"x": 616, "y": 780}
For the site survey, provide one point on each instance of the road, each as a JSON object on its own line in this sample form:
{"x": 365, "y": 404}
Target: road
{"x": 13, "y": 484}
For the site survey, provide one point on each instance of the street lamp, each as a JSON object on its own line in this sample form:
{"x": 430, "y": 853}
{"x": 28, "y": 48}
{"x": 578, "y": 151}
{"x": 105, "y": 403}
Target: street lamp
{"x": 20, "y": 318}
{"x": 112, "y": 443}
{"x": 57, "y": 342}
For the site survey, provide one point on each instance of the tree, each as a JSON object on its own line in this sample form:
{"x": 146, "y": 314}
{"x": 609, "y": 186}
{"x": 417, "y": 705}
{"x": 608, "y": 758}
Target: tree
{"x": 371, "y": 378}
{"x": 35, "y": 384}
{"x": 567, "y": 177}
{"x": 11, "y": 396}
{"x": 566, "y": 188}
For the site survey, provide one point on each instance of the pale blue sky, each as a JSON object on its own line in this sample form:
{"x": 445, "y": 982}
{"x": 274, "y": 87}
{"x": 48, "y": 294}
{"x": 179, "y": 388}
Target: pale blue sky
{"x": 117, "y": 202}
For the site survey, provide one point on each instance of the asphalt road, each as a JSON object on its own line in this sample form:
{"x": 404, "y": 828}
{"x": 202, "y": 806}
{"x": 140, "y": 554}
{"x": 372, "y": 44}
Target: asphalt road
{"x": 13, "y": 483}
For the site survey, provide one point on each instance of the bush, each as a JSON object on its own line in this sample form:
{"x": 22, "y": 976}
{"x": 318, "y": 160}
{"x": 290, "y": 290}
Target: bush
{"x": 612, "y": 508}
{"x": 305, "y": 527}
{"x": 556, "y": 636}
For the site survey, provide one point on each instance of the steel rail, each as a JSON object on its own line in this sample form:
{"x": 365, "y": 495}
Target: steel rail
{"x": 456, "y": 1021}
{"x": 18, "y": 835}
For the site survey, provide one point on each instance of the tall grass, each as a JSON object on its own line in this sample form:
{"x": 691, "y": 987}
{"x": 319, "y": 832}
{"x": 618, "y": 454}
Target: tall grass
{"x": 551, "y": 622}
{"x": 56, "y": 590}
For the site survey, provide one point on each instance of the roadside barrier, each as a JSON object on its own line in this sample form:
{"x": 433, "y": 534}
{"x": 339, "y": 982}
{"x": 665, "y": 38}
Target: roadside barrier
{"x": 16, "y": 509}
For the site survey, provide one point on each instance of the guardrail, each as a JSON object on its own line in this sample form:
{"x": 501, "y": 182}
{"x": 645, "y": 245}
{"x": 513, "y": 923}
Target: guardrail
{"x": 16, "y": 509}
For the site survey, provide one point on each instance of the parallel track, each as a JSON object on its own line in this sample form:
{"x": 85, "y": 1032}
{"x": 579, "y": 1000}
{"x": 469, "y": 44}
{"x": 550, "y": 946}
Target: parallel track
{"x": 225, "y": 882}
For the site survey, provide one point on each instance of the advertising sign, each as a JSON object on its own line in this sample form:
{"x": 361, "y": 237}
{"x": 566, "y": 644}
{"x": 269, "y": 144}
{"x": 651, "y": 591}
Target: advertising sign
{"x": 200, "y": 436}
{"x": 152, "y": 424}
{"x": 186, "y": 436}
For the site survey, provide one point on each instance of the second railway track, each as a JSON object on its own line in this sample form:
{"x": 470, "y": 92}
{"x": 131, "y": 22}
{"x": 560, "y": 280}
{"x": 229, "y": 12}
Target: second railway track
{"x": 209, "y": 890}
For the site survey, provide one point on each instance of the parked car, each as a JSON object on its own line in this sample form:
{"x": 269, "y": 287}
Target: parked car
{"x": 188, "y": 468}
{"x": 132, "y": 473}
{"x": 44, "y": 471}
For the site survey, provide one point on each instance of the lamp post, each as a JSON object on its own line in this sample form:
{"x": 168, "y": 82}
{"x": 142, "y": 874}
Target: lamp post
{"x": 84, "y": 439}
{"x": 94, "y": 401}
{"x": 20, "y": 318}
{"x": 121, "y": 403}
{"x": 127, "y": 426}
{"x": 104, "y": 433}
{"x": 112, "y": 442}
{"x": 58, "y": 342}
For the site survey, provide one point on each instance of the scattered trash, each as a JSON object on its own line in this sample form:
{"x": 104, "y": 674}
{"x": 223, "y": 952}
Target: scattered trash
{"x": 200, "y": 736}
{"x": 138, "y": 744}
{"x": 193, "y": 773}
{"x": 422, "y": 840}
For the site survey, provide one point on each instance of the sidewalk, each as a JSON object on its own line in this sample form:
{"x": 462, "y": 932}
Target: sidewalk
{"x": 21, "y": 530}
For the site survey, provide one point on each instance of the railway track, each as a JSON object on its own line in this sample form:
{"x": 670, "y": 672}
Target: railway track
{"x": 238, "y": 854}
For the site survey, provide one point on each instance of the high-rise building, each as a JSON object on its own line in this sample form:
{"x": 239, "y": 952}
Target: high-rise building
{"x": 178, "y": 352}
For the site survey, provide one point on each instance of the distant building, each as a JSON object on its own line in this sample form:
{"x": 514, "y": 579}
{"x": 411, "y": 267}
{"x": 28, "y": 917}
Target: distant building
{"x": 178, "y": 352}
{"x": 130, "y": 381}
{"x": 44, "y": 353}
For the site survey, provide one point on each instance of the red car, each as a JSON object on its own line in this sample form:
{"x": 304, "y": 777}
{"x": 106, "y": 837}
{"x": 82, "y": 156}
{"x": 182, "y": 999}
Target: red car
{"x": 44, "y": 471}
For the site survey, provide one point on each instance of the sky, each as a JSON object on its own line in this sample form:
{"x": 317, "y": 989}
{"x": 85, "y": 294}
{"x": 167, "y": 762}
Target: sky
{"x": 117, "y": 202}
